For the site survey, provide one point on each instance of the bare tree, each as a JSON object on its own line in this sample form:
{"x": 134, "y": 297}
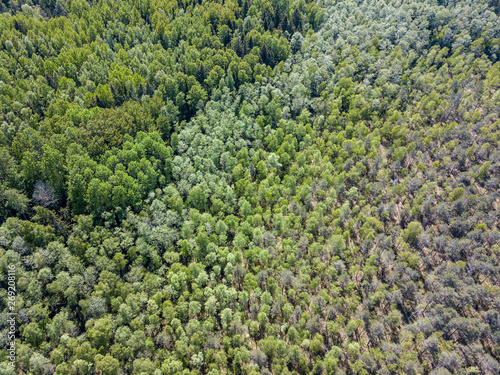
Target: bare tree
{"x": 45, "y": 195}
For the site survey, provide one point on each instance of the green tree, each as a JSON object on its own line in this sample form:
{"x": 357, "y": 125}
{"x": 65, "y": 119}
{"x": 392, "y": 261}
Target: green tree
{"x": 107, "y": 364}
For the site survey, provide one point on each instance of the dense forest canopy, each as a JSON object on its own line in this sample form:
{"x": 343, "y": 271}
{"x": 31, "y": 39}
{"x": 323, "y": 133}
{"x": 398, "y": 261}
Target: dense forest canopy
{"x": 251, "y": 187}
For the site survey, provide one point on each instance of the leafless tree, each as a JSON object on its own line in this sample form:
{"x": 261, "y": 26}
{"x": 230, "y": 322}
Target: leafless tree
{"x": 45, "y": 195}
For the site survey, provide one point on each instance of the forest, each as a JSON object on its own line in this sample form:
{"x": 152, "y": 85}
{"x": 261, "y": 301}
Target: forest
{"x": 281, "y": 187}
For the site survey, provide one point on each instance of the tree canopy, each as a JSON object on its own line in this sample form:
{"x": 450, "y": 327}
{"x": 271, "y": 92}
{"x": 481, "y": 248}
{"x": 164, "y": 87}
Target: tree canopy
{"x": 251, "y": 187}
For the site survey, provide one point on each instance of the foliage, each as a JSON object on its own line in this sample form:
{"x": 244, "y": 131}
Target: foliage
{"x": 251, "y": 187}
